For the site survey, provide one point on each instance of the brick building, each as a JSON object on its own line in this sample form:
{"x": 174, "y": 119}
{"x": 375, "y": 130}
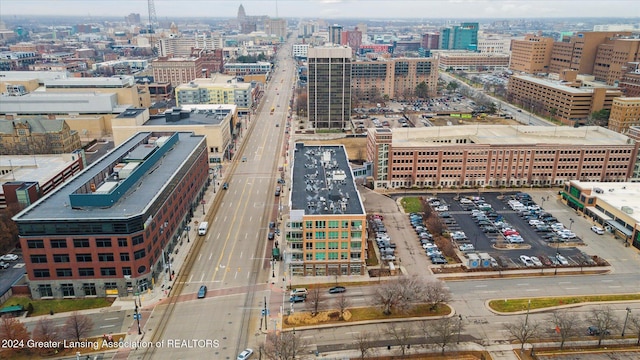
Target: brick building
{"x": 87, "y": 239}
{"x": 531, "y": 55}
{"x": 625, "y": 112}
{"x": 177, "y": 71}
{"x": 497, "y": 155}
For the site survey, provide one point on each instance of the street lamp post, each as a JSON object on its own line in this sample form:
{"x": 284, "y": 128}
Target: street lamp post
{"x": 570, "y": 223}
{"x": 137, "y": 315}
{"x": 555, "y": 271}
{"x": 626, "y": 317}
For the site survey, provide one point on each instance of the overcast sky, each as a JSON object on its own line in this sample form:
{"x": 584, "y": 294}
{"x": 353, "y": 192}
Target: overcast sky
{"x": 331, "y": 8}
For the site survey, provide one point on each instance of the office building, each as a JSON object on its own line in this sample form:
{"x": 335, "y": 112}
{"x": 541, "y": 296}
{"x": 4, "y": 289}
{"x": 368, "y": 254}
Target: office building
{"x": 613, "y": 206}
{"x": 531, "y": 55}
{"x": 220, "y": 89}
{"x": 241, "y": 69}
{"x": 299, "y": 51}
{"x": 177, "y": 71}
{"x": 110, "y": 230}
{"x": 612, "y": 59}
{"x": 335, "y": 34}
{"x": 431, "y": 41}
{"x": 329, "y": 87}
{"x": 630, "y": 81}
{"x": 460, "y": 37}
{"x": 578, "y": 52}
{"x": 397, "y": 78}
{"x": 566, "y": 101}
{"x": 36, "y": 135}
{"x": 471, "y": 156}
{"x": 182, "y": 46}
{"x": 219, "y": 123}
{"x": 27, "y": 178}
{"x": 625, "y": 112}
{"x": 494, "y": 44}
{"x": 472, "y": 61}
{"x": 325, "y": 230}
{"x": 352, "y": 39}
{"x": 276, "y": 27}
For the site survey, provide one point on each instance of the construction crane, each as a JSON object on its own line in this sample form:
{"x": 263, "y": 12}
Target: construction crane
{"x": 153, "y": 23}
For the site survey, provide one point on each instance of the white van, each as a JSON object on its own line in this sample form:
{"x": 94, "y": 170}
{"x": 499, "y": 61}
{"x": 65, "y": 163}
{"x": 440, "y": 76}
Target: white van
{"x": 202, "y": 229}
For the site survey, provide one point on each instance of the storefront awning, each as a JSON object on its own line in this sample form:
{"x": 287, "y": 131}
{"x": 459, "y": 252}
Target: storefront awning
{"x": 602, "y": 216}
{"x": 616, "y": 225}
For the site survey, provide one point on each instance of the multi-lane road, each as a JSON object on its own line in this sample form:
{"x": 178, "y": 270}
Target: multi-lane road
{"x": 235, "y": 251}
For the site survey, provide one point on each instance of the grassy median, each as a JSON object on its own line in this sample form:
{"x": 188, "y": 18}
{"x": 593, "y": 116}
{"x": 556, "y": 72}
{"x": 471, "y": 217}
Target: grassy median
{"x": 516, "y": 305}
{"x": 43, "y": 307}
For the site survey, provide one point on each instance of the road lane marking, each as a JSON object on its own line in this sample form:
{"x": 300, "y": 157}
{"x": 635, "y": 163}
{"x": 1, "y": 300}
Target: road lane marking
{"x": 190, "y": 278}
{"x": 606, "y": 280}
{"x": 107, "y": 319}
{"x": 199, "y": 257}
{"x": 210, "y": 256}
{"x": 532, "y": 289}
{"x": 523, "y": 284}
{"x": 241, "y": 254}
{"x": 202, "y": 277}
{"x": 352, "y": 332}
{"x": 481, "y": 286}
{"x": 615, "y": 286}
{"x": 564, "y": 282}
{"x": 106, "y": 326}
{"x": 572, "y": 288}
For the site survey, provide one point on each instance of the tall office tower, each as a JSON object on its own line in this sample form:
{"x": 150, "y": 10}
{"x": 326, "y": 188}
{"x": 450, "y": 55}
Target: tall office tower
{"x": 460, "y": 37}
{"x": 276, "y": 27}
{"x": 431, "y": 41}
{"x": 531, "y": 55}
{"x": 335, "y": 34}
{"x": 578, "y": 52}
{"x": 241, "y": 14}
{"x": 329, "y": 87}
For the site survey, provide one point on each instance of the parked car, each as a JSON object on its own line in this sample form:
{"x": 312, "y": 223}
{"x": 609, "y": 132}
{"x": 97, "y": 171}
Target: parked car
{"x": 536, "y": 261}
{"x": 299, "y": 292}
{"x": 594, "y": 331}
{"x": 296, "y": 299}
{"x": 4, "y": 265}
{"x": 337, "y": 290}
{"x": 466, "y": 247}
{"x": 225, "y": 186}
{"x": 562, "y": 260}
{"x": 526, "y": 261}
{"x": 9, "y": 257}
{"x": 438, "y": 260}
{"x": 598, "y": 230}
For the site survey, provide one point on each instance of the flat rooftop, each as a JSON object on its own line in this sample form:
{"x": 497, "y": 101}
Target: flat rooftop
{"x": 40, "y": 168}
{"x": 505, "y": 135}
{"x": 56, "y": 205}
{"x": 616, "y": 194}
{"x": 212, "y": 114}
{"x": 322, "y": 181}
{"x": 557, "y": 84}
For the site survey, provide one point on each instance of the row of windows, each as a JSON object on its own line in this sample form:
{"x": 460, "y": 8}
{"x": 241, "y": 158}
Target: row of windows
{"x": 82, "y": 272}
{"x": 103, "y": 257}
{"x": 83, "y": 243}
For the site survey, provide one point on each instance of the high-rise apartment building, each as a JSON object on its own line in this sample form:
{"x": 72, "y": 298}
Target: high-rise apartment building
{"x": 352, "y": 39}
{"x": 326, "y": 230}
{"x": 625, "y": 112}
{"x": 431, "y": 41}
{"x": 531, "y": 55}
{"x": 559, "y": 100}
{"x": 497, "y": 155}
{"x": 218, "y": 90}
{"x": 460, "y": 37}
{"x": 329, "y": 87}
{"x": 276, "y": 27}
{"x": 177, "y": 71}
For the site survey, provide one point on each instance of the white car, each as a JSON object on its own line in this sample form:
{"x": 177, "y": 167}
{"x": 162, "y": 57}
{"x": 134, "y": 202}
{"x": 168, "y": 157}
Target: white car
{"x": 562, "y": 260}
{"x": 466, "y": 247}
{"x": 598, "y": 230}
{"x": 9, "y": 257}
{"x": 245, "y": 354}
{"x": 536, "y": 261}
{"x": 526, "y": 261}
{"x": 442, "y": 208}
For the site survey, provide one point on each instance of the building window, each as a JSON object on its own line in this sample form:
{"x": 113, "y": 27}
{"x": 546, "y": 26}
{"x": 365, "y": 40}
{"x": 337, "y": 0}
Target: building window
{"x": 321, "y": 224}
{"x": 83, "y": 257}
{"x": 35, "y": 244}
{"x": 58, "y": 243}
{"x": 309, "y": 256}
{"x": 308, "y": 245}
{"x": 45, "y": 290}
{"x": 81, "y": 243}
{"x": 105, "y": 257}
{"x": 38, "y": 259}
{"x": 321, "y": 245}
{"x": 126, "y": 271}
{"x": 124, "y": 257}
{"x": 41, "y": 273}
{"x": 320, "y": 235}
{"x": 103, "y": 242}
{"x": 67, "y": 290}
{"x": 139, "y": 254}
{"x": 333, "y": 256}
{"x": 333, "y": 245}
{"x": 86, "y": 272}
{"x": 122, "y": 242}
{"x": 89, "y": 289}
{"x": 64, "y": 272}
{"x": 108, "y": 271}
{"x": 137, "y": 240}
{"x": 320, "y": 256}
{"x": 333, "y": 224}
{"x": 61, "y": 258}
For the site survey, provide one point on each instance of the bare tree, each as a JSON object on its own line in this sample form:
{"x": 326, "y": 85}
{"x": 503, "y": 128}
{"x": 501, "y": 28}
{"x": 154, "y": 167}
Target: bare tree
{"x": 15, "y": 331}
{"x": 523, "y": 330}
{"x": 565, "y": 325}
{"x": 401, "y": 336}
{"x": 435, "y": 294}
{"x": 442, "y": 331}
{"x": 397, "y": 294}
{"x": 604, "y": 320}
{"x": 45, "y": 331}
{"x": 364, "y": 344}
{"x": 315, "y": 300}
{"x": 286, "y": 345}
{"x": 634, "y": 322}
{"x": 77, "y": 326}
{"x": 342, "y": 303}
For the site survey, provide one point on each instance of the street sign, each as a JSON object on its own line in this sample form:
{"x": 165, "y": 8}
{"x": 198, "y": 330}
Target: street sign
{"x": 262, "y": 312}
{"x": 137, "y": 316}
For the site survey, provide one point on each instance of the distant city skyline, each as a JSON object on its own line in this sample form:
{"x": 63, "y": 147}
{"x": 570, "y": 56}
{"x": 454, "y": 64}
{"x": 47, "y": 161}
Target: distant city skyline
{"x": 416, "y": 9}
